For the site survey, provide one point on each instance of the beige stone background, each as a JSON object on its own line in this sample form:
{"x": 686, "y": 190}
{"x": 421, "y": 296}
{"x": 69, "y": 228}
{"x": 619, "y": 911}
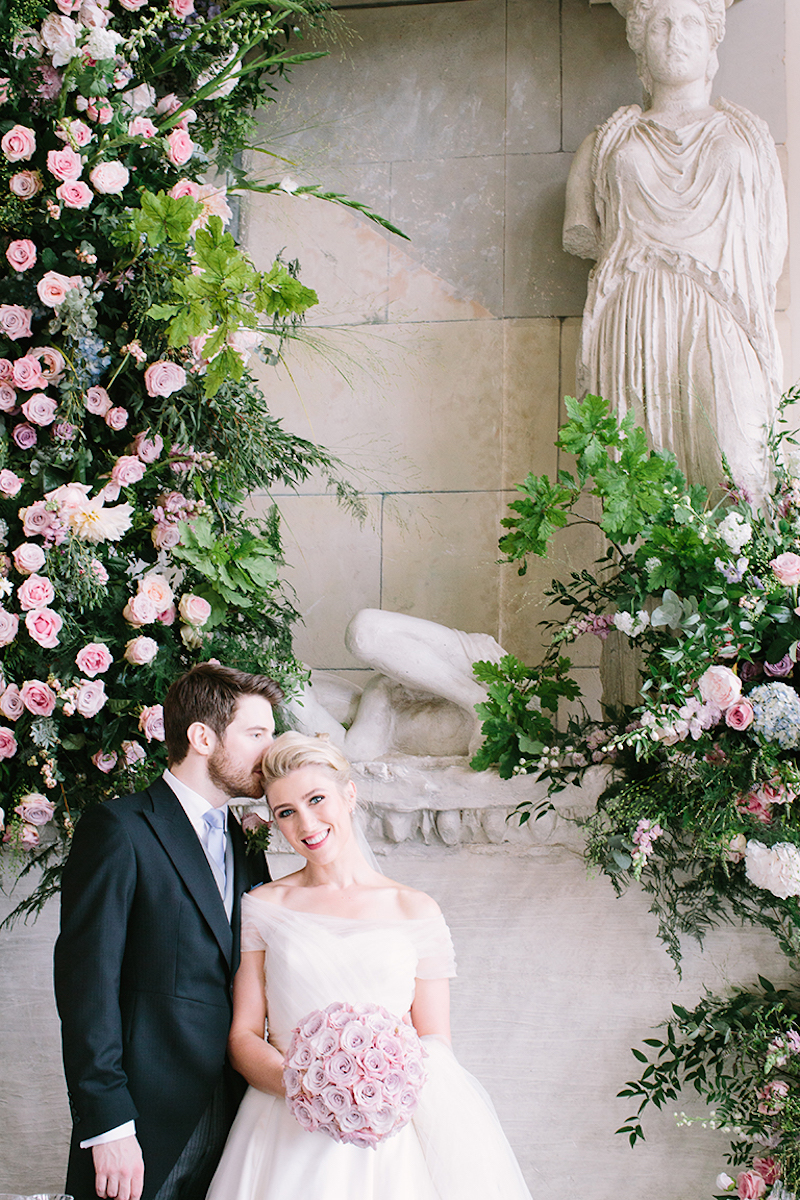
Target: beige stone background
{"x": 445, "y": 359}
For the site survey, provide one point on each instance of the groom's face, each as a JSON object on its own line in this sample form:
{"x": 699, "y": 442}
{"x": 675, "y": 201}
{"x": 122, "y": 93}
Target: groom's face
{"x": 235, "y": 764}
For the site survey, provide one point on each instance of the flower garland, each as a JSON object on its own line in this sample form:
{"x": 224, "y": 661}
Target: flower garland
{"x": 700, "y": 803}
{"x": 131, "y": 429}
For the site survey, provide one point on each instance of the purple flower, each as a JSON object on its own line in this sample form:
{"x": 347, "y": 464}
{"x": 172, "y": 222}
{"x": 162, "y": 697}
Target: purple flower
{"x": 779, "y": 669}
{"x": 24, "y": 436}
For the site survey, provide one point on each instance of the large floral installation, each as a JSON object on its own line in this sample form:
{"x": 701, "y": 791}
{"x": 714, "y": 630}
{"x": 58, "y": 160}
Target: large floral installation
{"x": 702, "y": 765}
{"x": 131, "y": 429}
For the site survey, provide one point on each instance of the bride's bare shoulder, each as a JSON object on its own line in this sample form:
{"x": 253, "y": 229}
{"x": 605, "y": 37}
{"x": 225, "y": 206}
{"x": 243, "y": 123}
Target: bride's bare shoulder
{"x": 278, "y": 891}
{"x": 416, "y": 905}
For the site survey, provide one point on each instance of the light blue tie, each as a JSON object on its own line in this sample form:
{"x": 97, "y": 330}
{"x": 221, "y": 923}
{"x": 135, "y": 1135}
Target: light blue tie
{"x": 216, "y": 842}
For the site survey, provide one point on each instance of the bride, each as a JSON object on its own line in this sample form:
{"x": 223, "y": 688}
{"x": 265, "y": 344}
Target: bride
{"x": 337, "y": 930}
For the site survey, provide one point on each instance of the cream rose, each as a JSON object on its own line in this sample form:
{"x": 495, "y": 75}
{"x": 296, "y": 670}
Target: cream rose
{"x": 90, "y": 698}
{"x": 158, "y": 590}
{"x": 194, "y": 610}
{"x": 139, "y": 651}
{"x": 139, "y": 611}
{"x": 109, "y": 178}
{"x": 721, "y": 686}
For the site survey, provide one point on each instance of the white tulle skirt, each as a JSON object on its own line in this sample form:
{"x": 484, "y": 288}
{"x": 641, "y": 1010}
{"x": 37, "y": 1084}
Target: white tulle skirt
{"x": 453, "y": 1149}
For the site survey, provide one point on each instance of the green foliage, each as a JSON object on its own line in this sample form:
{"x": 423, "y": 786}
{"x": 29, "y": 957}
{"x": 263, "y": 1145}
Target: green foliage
{"x": 740, "y": 1054}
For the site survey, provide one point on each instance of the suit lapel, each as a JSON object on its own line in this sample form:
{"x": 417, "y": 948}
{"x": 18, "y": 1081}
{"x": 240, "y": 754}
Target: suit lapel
{"x": 176, "y": 834}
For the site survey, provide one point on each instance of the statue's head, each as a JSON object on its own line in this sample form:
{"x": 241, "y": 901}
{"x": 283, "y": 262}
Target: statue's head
{"x": 702, "y": 23}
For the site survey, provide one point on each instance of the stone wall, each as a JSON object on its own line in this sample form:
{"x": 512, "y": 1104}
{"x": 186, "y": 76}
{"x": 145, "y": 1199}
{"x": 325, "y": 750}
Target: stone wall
{"x": 444, "y": 362}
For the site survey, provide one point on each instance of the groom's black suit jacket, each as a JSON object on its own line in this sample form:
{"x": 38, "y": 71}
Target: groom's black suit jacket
{"x": 144, "y": 965}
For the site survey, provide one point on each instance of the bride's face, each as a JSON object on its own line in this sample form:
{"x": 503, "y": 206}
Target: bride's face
{"x": 677, "y": 46}
{"x": 313, "y": 812}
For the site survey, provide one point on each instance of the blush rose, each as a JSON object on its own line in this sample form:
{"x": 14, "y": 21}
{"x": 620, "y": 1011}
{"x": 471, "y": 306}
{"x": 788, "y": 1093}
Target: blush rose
{"x": 44, "y": 626}
{"x": 721, "y": 686}
{"x": 21, "y": 254}
{"x": 786, "y": 569}
{"x": 94, "y": 659}
{"x": 162, "y": 378}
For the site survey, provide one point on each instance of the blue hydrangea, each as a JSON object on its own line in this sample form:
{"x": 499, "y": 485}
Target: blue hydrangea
{"x": 776, "y": 714}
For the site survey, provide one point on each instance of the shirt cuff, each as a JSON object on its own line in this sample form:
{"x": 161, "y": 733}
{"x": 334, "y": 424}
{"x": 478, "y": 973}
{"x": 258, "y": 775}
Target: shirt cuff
{"x": 113, "y": 1135}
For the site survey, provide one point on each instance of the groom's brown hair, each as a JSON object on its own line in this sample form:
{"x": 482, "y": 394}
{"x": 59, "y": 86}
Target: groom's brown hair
{"x": 209, "y": 693}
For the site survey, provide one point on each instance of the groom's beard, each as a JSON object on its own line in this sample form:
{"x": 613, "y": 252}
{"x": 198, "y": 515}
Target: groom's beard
{"x": 232, "y": 778}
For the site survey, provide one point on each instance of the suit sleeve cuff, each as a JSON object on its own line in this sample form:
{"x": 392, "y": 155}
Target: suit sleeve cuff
{"x": 113, "y": 1135}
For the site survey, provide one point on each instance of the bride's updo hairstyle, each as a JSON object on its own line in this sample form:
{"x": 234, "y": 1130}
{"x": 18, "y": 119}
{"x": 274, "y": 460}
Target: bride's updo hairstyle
{"x": 292, "y": 751}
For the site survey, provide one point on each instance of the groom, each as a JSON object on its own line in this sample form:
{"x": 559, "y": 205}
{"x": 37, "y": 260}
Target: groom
{"x": 149, "y": 945}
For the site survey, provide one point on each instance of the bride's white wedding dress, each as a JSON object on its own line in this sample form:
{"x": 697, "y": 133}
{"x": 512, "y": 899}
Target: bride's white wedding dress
{"x": 453, "y": 1148}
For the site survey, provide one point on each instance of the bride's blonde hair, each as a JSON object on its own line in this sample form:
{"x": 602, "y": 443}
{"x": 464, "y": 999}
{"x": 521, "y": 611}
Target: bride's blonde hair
{"x": 292, "y": 751}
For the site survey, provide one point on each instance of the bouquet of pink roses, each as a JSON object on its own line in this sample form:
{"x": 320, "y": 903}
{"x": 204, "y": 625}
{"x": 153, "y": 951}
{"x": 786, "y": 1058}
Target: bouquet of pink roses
{"x": 355, "y": 1072}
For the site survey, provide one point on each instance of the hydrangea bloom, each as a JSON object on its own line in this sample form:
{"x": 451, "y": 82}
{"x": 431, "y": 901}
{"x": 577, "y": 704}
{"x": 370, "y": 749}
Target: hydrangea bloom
{"x": 776, "y": 714}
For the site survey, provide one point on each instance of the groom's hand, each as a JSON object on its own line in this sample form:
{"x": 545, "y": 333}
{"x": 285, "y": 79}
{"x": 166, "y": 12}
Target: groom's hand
{"x": 119, "y": 1169}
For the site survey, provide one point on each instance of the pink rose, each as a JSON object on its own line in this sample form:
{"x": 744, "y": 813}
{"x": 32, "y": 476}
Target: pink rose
{"x": 116, "y": 418}
{"x": 164, "y": 535}
{"x": 24, "y": 436}
{"x": 133, "y": 5}
{"x": 9, "y": 626}
{"x": 27, "y": 371}
{"x": 10, "y": 483}
{"x": 768, "y": 1169}
{"x": 157, "y": 589}
{"x": 194, "y": 610}
{"x": 25, "y": 184}
{"x": 185, "y": 187}
{"x": 720, "y": 686}
{"x": 151, "y": 723}
{"x": 35, "y": 808}
{"x": 19, "y": 143}
{"x": 133, "y": 753}
{"x": 6, "y": 370}
{"x": 15, "y": 321}
{"x": 252, "y": 822}
{"x": 97, "y": 401}
{"x": 142, "y": 127}
{"x": 180, "y": 147}
{"x": 148, "y": 449}
{"x": 750, "y": 1186}
{"x": 127, "y": 470}
{"x": 75, "y": 131}
{"x": 162, "y": 378}
{"x": 739, "y": 715}
{"x": 100, "y": 110}
{"x": 104, "y": 760}
{"x": 139, "y": 611}
{"x": 44, "y": 626}
{"x": 109, "y": 178}
{"x": 8, "y": 743}
{"x": 37, "y": 697}
{"x": 786, "y": 568}
{"x": 65, "y": 164}
{"x": 21, "y": 254}
{"x": 90, "y": 698}
{"x": 76, "y": 194}
{"x": 11, "y": 705}
{"x": 140, "y": 651}
{"x": 70, "y": 497}
{"x": 8, "y": 397}
{"x": 28, "y": 837}
{"x": 94, "y": 659}
{"x": 35, "y": 592}
{"x": 755, "y": 806}
{"x": 40, "y": 409}
{"x": 181, "y": 8}
{"x": 38, "y": 521}
{"x": 53, "y": 288}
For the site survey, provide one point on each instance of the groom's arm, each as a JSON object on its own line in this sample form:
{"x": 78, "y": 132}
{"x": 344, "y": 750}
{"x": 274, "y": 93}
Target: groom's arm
{"x": 97, "y": 893}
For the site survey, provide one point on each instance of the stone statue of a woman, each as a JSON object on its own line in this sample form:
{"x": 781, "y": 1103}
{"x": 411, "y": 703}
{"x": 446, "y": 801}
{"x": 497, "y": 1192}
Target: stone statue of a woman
{"x": 682, "y": 206}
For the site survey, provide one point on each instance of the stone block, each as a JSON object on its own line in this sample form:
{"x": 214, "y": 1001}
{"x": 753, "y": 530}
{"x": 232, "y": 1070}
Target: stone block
{"x": 541, "y": 280}
{"x": 533, "y": 77}
{"x": 439, "y": 560}
{"x": 752, "y": 62}
{"x": 406, "y": 82}
{"x": 530, "y": 398}
{"x": 452, "y": 210}
{"x": 335, "y": 571}
{"x": 599, "y": 68}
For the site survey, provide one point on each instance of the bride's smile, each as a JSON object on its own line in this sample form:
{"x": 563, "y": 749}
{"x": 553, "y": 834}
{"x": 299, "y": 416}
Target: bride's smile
{"x": 313, "y": 812}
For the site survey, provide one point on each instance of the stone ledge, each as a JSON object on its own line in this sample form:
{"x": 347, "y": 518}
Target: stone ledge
{"x": 442, "y": 802}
